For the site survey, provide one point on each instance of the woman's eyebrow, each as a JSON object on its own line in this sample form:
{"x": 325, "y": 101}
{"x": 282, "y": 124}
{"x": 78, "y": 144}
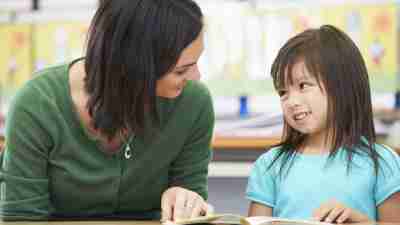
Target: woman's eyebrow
{"x": 185, "y": 66}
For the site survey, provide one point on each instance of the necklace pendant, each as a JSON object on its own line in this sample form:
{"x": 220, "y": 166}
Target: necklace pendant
{"x": 128, "y": 152}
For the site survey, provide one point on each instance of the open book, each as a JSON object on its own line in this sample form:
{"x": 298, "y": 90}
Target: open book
{"x": 236, "y": 219}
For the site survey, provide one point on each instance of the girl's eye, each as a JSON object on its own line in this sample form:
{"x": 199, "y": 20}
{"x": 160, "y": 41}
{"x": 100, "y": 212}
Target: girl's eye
{"x": 281, "y": 92}
{"x": 304, "y": 85}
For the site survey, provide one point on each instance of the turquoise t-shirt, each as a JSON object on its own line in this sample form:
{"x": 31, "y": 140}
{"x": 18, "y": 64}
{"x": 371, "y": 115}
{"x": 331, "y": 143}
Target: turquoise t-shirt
{"x": 312, "y": 181}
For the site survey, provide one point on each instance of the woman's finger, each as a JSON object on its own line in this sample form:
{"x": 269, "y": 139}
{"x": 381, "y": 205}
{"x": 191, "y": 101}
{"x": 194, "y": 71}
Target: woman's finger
{"x": 198, "y": 209}
{"x": 190, "y": 204}
{"x": 166, "y": 208}
{"x": 179, "y": 205}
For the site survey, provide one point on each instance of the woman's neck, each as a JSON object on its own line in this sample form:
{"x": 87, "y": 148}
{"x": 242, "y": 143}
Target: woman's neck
{"x": 80, "y": 98}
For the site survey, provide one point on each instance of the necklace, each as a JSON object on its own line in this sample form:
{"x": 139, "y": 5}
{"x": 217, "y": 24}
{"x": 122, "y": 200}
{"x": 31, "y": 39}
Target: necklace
{"x": 127, "y": 148}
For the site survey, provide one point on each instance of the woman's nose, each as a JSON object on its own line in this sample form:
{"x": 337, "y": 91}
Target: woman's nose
{"x": 195, "y": 75}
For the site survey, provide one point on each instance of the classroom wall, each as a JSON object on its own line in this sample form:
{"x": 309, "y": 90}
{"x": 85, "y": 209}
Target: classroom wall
{"x": 241, "y": 40}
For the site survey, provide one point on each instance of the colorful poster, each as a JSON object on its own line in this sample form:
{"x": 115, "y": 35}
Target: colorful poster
{"x": 304, "y": 18}
{"x": 380, "y": 39}
{"x": 373, "y": 29}
{"x": 15, "y": 57}
{"x": 58, "y": 42}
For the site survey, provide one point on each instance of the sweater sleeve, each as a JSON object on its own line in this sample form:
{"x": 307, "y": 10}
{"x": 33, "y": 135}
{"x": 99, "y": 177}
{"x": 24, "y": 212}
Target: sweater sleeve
{"x": 23, "y": 163}
{"x": 190, "y": 169}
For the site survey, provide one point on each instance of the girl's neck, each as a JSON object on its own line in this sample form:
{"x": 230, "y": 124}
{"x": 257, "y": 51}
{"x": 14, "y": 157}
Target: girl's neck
{"x": 316, "y": 145}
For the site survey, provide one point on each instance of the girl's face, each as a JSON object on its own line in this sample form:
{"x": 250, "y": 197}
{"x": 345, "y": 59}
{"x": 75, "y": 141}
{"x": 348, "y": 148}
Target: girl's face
{"x": 305, "y": 103}
{"x": 172, "y": 84}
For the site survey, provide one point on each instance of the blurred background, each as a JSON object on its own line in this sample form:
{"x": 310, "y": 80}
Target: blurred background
{"x": 241, "y": 40}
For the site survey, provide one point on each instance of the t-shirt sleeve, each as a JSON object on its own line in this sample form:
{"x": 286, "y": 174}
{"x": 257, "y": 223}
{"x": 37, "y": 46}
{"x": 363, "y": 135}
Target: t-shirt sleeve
{"x": 388, "y": 179}
{"x": 190, "y": 169}
{"x": 261, "y": 186}
{"x": 24, "y": 190}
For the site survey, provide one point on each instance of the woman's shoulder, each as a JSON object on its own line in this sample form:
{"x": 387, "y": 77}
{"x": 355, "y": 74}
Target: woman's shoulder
{"x": 45, "y": 79}
{"x": 41, "y": 86}
{"x": 196, "y": 90}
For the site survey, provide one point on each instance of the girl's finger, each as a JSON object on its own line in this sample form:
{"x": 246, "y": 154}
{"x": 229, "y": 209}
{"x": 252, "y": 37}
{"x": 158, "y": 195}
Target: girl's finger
{"x": 321, "y": 213}
{"x": 344, "y": 216}
{"x": 334, "y": 214}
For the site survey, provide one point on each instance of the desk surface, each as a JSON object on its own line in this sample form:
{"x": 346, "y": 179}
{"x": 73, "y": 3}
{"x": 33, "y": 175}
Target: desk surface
{"x": 125, "y": 223}
{"x": 83, "y": 223}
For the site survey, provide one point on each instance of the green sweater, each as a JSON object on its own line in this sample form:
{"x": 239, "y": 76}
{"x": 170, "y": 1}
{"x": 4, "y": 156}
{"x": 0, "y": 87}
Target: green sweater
{"x": 50, "y": 167}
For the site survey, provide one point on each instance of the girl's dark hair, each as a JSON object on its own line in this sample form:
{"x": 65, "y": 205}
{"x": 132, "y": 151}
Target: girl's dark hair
{"x": 336, "y": 62}
{"x": 132, "y": 44}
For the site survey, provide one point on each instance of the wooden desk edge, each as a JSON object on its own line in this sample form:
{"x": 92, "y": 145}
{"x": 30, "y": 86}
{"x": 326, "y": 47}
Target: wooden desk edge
{"x": 243, "y": 143}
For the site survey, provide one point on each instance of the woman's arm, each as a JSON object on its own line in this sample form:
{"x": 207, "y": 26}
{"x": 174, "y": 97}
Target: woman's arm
{"x": 24, "y": 180}
{"x": 188, "y": 173}
{"x": 190, "y": 169}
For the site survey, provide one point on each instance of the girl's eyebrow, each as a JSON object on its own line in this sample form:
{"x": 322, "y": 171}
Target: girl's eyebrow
{"x": 301, "y": 78}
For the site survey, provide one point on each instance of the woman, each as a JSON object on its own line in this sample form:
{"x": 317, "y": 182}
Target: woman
{"x": 121, "y": 133}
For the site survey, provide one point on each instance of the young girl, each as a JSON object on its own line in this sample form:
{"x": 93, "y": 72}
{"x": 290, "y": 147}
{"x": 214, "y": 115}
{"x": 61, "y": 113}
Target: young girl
{"x": 328, "y": 166}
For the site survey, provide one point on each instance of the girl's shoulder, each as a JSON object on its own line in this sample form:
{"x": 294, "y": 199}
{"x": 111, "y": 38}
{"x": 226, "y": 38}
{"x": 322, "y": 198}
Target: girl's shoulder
{"x": 388, "y": 159}
{"x": 385, "y": 151}
{"x": 267, "y": 157}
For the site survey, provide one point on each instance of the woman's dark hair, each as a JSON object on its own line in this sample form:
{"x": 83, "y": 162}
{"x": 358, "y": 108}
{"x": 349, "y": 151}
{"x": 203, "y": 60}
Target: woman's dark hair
{"x": 336, "y": 63}
{"x": 132, "y": 44}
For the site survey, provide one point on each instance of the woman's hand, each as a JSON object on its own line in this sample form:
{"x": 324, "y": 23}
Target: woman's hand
{"x": 334, "y": 211}
{"x": 180, "y": 203}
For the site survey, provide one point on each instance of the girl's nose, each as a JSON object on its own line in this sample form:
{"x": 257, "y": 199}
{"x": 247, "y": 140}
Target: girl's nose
{"x": 293, "y": 100}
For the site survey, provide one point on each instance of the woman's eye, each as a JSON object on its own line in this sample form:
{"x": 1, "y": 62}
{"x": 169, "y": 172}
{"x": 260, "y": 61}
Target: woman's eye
{"x": 181, "y": 72}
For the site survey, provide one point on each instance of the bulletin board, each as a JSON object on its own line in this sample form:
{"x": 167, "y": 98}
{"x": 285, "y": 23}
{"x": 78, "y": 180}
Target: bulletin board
{"x": 15, "y": 56}
{"x": 242, "y": 44}
{"x": 58, "y": 42}
{"x": 374, "y": 29}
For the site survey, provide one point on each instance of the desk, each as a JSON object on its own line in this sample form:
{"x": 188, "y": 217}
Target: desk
{"x": 243, "y": 143}
{"x": 225, "y": 142}
{"x": 124, "y": 223}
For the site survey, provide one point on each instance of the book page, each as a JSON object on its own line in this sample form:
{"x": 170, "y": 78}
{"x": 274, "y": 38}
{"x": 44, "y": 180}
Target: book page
{"x": 212, "y": 218}
{"x": 263, "y": 220}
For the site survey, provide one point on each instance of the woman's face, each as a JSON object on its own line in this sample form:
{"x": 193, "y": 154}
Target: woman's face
{"x": 172, "y": 84}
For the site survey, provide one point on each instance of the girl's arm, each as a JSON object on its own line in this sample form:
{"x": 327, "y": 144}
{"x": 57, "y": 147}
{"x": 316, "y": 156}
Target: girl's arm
{"x": 257, "y": 209}
{"x": 389, "y": 210}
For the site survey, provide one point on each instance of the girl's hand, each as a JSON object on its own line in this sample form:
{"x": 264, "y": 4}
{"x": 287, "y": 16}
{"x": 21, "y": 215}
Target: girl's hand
{"x": 180, "y": 203}
{"x": 334, "y": 211}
